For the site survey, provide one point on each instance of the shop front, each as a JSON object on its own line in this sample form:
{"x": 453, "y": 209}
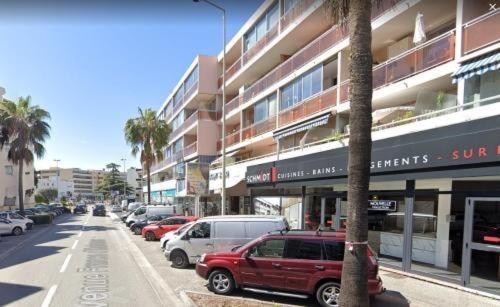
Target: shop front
{"x": 434, "y": 201}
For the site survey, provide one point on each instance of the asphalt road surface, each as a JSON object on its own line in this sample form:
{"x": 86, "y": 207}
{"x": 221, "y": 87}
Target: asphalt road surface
{"x": 79, "y": 261}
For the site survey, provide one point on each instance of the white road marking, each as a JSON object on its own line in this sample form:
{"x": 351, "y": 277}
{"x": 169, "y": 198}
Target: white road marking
{"x": 80, "y": 234}
{"x": 74, "y": 244}
{"x": 50, "y": 295}
{"x": 65, "y": 264}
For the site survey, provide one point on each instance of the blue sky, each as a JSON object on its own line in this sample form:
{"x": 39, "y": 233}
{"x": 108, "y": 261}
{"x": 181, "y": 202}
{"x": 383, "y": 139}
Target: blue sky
{"x": 91, "y": 64}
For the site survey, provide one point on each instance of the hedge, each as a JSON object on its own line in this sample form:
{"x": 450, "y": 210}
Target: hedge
{"x": 41, "y": 219}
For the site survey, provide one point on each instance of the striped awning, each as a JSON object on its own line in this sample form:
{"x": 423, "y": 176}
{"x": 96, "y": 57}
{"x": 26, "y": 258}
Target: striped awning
{"x": 477, "y": 67}
{"x": 315, "y": 122}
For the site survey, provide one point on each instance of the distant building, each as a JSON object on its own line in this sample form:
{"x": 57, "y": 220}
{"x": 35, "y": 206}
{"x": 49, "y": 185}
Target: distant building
{"x": 9, "y": 179}
{"x": 64, "y": 188}
{"x": 83, "y": 180}
{"x": 134, "y": 180}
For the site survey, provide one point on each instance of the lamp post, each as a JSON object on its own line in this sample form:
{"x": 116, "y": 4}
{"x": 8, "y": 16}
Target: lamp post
{"x": 125, "y": 180}
{"x": 58, "y": 174}
{"x": 223, "y": 143}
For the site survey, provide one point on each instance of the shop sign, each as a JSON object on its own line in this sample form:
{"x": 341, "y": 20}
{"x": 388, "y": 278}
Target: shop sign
{"x": 382, "y": 205}
{"x": 234, "y": 175}
{"x": 196, "y": 175}
{"x": 461, "y": 145}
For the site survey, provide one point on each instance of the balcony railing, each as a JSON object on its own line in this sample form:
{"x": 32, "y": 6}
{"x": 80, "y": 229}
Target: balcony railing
{"x": 233, "y": 104}
{"x": 263, "y": 42}
{"x": 294, "y": 13}
{"x": 198, "y": 115}
{"x": 310, "y": 106}
{"x": 187, "y": 94}
{"x": 433, "y": 53}
{"x": 259, "y": 128}
{"x": 481, "y": 31}
{"x": 344, "y": 91}
{"x": 190, "y": 149}
{"x": 231, "y": 139}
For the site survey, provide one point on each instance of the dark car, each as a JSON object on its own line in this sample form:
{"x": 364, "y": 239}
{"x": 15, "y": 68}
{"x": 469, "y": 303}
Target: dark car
{"x": 302, "y": 263}
{"x": 99, "y": 210}
{"x": 80, "y": 209}
{"x": 137, "y": 227}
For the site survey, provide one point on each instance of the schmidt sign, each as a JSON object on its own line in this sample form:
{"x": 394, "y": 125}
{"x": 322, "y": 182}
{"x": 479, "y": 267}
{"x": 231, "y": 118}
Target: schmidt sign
{"x": 463, "y": 145}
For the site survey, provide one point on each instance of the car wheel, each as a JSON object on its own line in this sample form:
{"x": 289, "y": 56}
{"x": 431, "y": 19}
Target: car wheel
{"x": 136, "y": 230}
{"x": 150, "y": 236}
{"x": 221, "y": 282}
{"x": 328, "y": 294}
{"x": 179, "y": 259}
{"x": 17, "y": 231}
{"x": 29, "y": 226}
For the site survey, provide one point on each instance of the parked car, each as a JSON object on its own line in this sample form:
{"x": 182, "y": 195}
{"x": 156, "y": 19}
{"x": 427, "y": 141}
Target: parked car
{"x": 11, "y": 227}
{"x": 156, "y": 231}
{"x": 137, "y": 227}
{"x": 116, "y": 208}
{"x": 172, "y": 234}
{"x": 144, "y": 212}
{"x": 219, "y": 233}
{"x": 125, "y": 216}
{"x": 298, "y": 264}
{"x": 14, "y": 217}
{"x": 80, "y": 209}
{"x": 45, "y": 210}
{"x": 99, "y": 210}
{"x": 134, "y": 205}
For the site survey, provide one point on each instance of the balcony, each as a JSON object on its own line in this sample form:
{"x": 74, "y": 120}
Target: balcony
{"x": 426, "y": 56}
{"x": 187, "y": 94}
{"x": 232, "y": 105}
{"x": 285, "y": 21}
{"x": 259, "y": 128}
{"x": 433, "y": 53}
{"x": 190, "y": 149}
{"x": 193, "y": 118}
{"x": 231, "y": 139}
{"x": 481, "y": 31}
{"x": 310, "y": 106}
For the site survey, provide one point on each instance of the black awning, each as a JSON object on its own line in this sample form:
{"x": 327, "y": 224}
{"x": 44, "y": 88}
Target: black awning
{"x": 315, "y": 122}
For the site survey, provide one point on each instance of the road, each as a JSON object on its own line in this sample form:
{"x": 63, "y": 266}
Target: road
{"x": 79, "y": 261}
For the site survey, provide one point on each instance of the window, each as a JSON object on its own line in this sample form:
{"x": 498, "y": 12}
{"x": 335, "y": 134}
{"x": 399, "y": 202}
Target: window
{"x": 270, "y": 248}
{"x": 256, "y": 229}
{"x": 178, "y": 96}
{"x": 16, "y": 216}
{"x": 289, "y": 4}
{"x": 178, "y": 120}
{"x": 9, "y": 170}
{"x": 261, "y": 27}
{"x": 178, "y": 145}
{"x": 140, "y": 211}
{"x": 229, "y": 230}
{"x": 261, "y": 111}
{"x": 200, "y": 231}
{"x": 302, "y": 88}
{"x": 303, "y": 249}
{"x": 334, "y": 250}
{"x": 191, "y": 79}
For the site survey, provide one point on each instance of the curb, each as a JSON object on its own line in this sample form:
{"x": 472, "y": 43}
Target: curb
{"x": 442, "y": 283}
{"x": 186, "y": 299}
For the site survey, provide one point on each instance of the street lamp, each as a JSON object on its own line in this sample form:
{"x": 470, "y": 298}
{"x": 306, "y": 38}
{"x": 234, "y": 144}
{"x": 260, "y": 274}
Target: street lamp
{"x": 223, "y": 190}
{"x": 58, "y": 174}
{"x": 124, "y": 181}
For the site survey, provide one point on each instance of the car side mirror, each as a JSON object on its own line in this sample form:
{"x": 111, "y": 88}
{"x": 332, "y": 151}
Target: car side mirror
{"x": 185, "y": 237}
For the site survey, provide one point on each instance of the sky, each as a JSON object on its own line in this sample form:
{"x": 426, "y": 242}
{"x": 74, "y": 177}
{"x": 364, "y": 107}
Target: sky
{"x": 92, "y": 63}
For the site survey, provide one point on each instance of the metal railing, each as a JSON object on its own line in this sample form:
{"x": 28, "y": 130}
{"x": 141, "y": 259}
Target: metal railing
{"x": 190, "y": 149}
{"x": 259, "y": 128}
{"x": 481, "y": 31}
{"x": 317, "y": 103}
{"x": 294, "y": 13}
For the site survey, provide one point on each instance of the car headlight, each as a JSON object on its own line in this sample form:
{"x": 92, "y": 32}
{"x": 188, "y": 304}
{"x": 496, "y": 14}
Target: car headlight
{"x": 202, "y": 258}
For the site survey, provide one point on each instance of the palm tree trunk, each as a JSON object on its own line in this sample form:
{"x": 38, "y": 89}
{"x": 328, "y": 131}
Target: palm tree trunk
{"x": 148, "y": 170}
{"x": 354, "y": 287}
{"x": 20, "y": 190}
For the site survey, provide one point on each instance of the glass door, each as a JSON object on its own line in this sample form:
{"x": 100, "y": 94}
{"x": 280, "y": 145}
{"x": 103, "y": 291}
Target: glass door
{"x": 481, "y": 246}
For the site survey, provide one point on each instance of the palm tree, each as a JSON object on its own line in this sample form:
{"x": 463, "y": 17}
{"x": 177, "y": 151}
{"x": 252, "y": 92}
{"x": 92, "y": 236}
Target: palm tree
{"x": 25, "y": 128}
{"x": 148, "y": 135}
{"x": 354, "y": 287}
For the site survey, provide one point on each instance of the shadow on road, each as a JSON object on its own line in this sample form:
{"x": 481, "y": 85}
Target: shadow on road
{"x": 13, "y": 292}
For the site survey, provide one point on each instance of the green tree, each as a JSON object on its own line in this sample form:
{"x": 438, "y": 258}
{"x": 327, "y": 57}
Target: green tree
{"x": 356, "y": 14}
{"x": 147, "y": 135}
{"x": 25, "y": 128}
{"x": 113, "y": 183}
{"x": 48, "y": 194}
{"x": 39, "y": 198}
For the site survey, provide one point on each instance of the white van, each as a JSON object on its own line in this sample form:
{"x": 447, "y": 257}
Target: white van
{"x": 144, "y": 212}
{"x": 219, "y": 234}
{"x": 134, "y": 205}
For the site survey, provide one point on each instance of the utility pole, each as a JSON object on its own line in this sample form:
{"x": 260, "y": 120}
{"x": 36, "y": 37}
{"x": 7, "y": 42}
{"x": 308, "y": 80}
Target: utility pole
{"x": 125, "y": 180}
{"x": 58, "y": 174}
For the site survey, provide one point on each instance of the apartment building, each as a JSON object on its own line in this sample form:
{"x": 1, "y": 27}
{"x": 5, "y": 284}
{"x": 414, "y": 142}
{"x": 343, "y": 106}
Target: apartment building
{"x": 83, "y": 180}
{"x": 191, "y": 110}
{"x": 434, "y": 205}
{"x": 135, "y": 180}
{"x": 9, "y": 182}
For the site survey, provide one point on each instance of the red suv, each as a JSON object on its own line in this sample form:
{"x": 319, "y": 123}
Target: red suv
{"x": 156, "y": 231}
{"x": 297, "y": 263}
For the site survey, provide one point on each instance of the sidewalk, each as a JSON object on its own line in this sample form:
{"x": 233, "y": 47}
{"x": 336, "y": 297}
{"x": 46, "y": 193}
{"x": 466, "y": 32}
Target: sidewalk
{"x": 401, "y": 290}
